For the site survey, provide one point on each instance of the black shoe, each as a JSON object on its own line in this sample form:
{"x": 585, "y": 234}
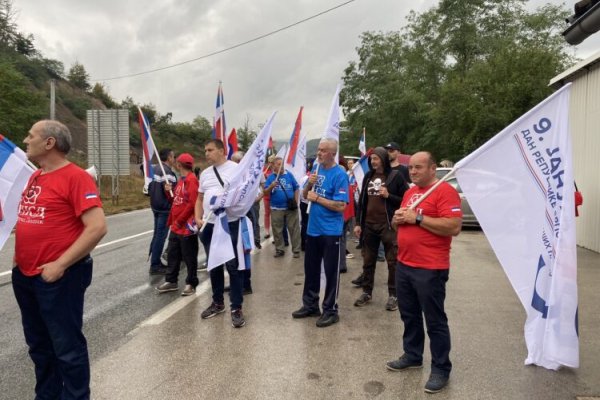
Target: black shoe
{"x": 212, "y": 310}
{"x": 358, "y": 246}
{"x": 435, "y": 383}
{"x": 327, "y": 319}
{"x": 343, "y": 271}
{"x": 267, "y": 236}
{"x": 247, "y": 291}
{"x": 227, "y": 288}
{"x": 304, "y": 312}
{"x": 257, "y": 245}
{"x": 362, "y": 300}
{"x": 279, "y": 253}
{"x": 237, "y": 318}
{"x": 161, "y": 270}
{"x": 403, "y": 363}
{"x": 287, "y": 244}
{"x": 359, "y": 281}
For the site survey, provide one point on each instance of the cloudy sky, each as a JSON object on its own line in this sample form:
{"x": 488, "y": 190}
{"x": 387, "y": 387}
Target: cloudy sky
{"x": 299, "y": 66}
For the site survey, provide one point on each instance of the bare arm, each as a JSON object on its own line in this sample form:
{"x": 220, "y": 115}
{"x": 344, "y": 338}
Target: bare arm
{"x": 94, "y": 229}
{"x": 198, "y": 209}
{"x": 333, "y": 205}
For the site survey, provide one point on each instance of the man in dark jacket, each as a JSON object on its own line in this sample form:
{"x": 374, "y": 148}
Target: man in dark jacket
{"x": 380, "y": 196}
{"x": 160, "y": 208}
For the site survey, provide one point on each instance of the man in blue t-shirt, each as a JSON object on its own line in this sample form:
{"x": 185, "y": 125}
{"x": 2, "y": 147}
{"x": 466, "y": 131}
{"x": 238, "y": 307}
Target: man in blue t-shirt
{"x": 327, "y": 191}
{"x": 282, "y": 189}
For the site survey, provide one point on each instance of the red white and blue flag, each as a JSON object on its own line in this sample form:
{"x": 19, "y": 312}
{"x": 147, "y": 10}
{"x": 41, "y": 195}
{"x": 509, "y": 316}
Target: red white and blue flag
{"x": 362, "y": 144}
{"x": 219, "y": 129}
{"x": 147, "y": 148}
{"x": 294, "y": 140}
{"x": 14, "y": 174}
{"x": 232, "y": 143}
{"x": 360, "y": 169}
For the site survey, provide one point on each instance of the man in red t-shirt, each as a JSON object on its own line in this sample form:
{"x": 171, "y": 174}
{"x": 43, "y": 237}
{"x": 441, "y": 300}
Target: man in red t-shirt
{"x": 183, "y": 239}
{"x": 425, "y": 229}
{"x": 60, "y": 222}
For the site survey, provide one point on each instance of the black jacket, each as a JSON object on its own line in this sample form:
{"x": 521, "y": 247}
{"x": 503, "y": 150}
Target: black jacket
{"x": 394, "y": 182}
{"x": 156, "y": 188}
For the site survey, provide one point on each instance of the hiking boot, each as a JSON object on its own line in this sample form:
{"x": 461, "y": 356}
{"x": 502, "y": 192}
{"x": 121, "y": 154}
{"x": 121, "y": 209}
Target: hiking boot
{"x": 279, "y": 253}
{"x": 327, "y": 320}
{"x": 435, "y": 383}
{"x": 304, "y": 312}
{"x": 212, "y": 310}
{"x": 359, "y": 281}
{"x": 362, "y": 300}
{"x": 237, "y": 318}
{"x": 392, "y": 304}
{"x": 188, "y": 290}
{"x": 167, "y": 287}
{"x": 403, "y": 363}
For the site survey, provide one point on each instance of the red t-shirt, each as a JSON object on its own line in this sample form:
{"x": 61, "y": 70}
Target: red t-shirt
{"x": 181, "y": 217}
{"x": 417, "y": 247}
{"x": 50, "y": 215}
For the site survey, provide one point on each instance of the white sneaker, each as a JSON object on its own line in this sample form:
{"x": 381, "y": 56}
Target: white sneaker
{"x": 349, "y": 255}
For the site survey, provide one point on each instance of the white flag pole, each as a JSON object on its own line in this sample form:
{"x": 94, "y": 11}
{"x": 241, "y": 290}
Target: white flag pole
{"x": 312, "y": 190}
{"x": 449, "y": 175}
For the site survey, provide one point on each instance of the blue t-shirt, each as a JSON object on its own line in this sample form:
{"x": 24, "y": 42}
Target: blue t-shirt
{"x": 287, "y": 182}
{"x": 331, "y": 184}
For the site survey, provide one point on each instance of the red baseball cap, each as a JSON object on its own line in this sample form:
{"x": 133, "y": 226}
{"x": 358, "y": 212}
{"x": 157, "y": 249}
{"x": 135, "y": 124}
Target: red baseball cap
{"x": 186, "y": 159}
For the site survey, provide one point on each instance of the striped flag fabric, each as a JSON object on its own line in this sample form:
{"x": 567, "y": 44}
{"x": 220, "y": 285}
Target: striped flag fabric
{"x": 360, "y": 169}
{"x": 14, "y": 175}
{"x": 232, "y": 143}
{"x": 147, "y": 148}
{"x": 298, "y": 167}
{"x": 520, "y": 186}
{"x": 294, "y": 140}
{"x": 219, "y": 121}
{"x": 362, "y": 144}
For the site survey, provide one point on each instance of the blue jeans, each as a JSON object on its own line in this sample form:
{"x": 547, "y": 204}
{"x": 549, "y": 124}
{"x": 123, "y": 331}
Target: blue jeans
{"x": 217, "y": 275}
{"x": 421, "y": 292}
{"x": 158, "y": 238}
{"x": 52, "y": 316}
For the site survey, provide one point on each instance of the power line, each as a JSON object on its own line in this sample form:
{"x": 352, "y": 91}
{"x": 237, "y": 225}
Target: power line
{"x": 228, "y": 48}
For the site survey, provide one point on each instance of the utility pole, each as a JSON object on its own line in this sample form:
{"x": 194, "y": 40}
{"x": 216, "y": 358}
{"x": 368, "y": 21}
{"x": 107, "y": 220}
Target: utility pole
{"x": 52, "y": 99}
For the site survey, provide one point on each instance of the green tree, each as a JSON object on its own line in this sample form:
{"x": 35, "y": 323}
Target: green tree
{"x": 246, "y": 135}
{"x": 455, "y": 76}
{"x": 20, "y": 107}
{"x": 99, "y": 92}
{"x": 79, "y": 77}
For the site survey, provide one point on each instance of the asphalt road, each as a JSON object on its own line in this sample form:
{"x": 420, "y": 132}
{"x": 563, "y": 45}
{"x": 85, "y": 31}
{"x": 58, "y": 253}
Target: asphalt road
{"x": 120, "y": 297}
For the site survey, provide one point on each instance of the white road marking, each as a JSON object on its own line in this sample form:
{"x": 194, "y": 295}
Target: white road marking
{"x": 123, "y": 239}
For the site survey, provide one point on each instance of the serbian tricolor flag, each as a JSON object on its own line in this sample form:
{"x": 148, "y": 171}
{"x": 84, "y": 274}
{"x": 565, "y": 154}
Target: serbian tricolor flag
{"x": 232, "y": 143}
{"x": 360, "y": 169}
{"x": 147, "y": 148}
{"x": 362, "y": 144}
{"x": 14, "y": 174}
{"x": 294, "y": 140}
{"x": 219, "y": 123}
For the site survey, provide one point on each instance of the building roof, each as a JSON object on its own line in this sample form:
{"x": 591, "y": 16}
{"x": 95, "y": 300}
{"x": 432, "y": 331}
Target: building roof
{"x": 560, "y": 79}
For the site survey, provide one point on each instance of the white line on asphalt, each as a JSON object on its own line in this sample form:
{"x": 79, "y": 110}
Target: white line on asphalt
{"x": 170, "y": 310}
{"x": 123, "y": 239}
{"x": 126, "y": 213}
{"x": 100, "y": 246}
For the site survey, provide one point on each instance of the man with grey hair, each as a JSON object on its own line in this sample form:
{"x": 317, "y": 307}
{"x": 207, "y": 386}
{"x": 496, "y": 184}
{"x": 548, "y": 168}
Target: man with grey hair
{"x": 327, "y": 190}
{"x": 51, "y": 271}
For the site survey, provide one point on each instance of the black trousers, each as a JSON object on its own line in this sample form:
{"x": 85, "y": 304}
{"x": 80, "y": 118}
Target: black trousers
{"x": 321, "y": 250}
{"x": 373, "y": 235}
{"x": 182, "y": 248}
{"x": 421, "y": 292}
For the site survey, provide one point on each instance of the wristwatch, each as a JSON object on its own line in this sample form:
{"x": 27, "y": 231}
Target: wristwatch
{"x": 419, "y": 219}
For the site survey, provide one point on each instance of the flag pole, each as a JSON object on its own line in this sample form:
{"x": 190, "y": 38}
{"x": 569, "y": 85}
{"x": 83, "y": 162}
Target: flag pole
{"x": 449, "y": 175}
{"x": 154, "y": 145}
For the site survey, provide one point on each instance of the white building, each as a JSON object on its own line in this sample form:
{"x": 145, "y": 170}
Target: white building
{"x": 584, "y": 115}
